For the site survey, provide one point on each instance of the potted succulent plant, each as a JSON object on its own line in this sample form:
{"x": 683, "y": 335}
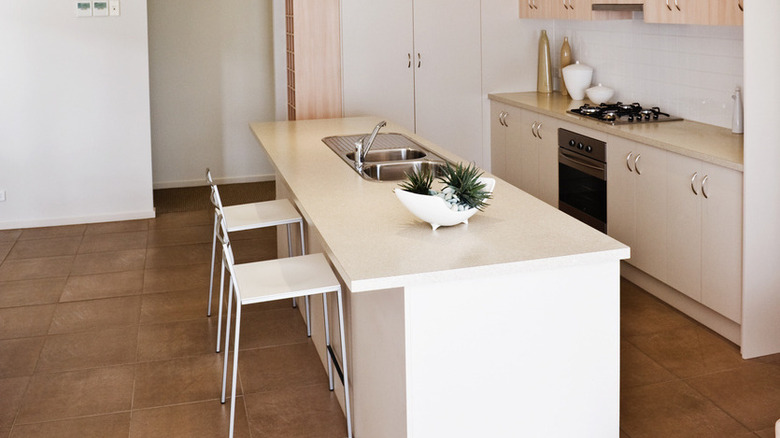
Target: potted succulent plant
{"x": 464, "y": 193}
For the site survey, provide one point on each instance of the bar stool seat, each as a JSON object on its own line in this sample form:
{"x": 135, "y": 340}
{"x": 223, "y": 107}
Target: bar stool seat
{"x": 271, "y": 280}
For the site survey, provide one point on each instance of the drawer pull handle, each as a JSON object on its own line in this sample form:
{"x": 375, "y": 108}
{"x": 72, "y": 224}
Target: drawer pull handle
{"x": 693, "y": 181}
{"x": 409, "y": 64}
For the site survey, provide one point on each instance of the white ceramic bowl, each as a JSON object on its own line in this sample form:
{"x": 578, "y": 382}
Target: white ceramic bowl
{"x": 577, "y": 78}
{"x": 435, "y": 210}
{"x": 599, "y": 94}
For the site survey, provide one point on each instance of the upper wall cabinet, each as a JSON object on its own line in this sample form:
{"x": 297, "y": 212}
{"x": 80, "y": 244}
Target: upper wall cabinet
{"x": 535, "y": 9}
{"x": 721, "y": 12}
{"x": 556, "y": 9}
{"x": 677, "y": 11}
{"x": 727, "y": 12}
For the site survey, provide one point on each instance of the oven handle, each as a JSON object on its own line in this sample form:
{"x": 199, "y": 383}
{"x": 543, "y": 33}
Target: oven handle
{"x": 584, "y": 167}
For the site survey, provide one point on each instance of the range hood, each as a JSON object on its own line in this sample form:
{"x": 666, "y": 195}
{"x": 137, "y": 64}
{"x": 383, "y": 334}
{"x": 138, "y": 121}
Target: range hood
{"x": 623, "y": 7}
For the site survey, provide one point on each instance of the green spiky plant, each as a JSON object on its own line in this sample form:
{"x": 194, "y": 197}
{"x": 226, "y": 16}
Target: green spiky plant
{"x": 418, "y": 181}
{"x": 466, "y": 185}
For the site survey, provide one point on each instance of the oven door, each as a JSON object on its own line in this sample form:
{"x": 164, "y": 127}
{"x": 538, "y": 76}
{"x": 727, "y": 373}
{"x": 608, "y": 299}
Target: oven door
{"x": 582, "y": 188}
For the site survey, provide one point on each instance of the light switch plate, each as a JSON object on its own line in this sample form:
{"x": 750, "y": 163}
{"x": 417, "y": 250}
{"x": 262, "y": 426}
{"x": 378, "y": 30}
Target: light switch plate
{"x": 100, "y": 9}
{"x": 2, "y": 195}
{"x": 83, "y": 8}
{"x": 113, "y": 8}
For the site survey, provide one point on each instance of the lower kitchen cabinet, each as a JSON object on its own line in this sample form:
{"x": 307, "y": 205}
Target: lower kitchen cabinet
{"x": 636, "y": 202}
{"x": 704, "y": 241}
{"x": 524, "y": 150}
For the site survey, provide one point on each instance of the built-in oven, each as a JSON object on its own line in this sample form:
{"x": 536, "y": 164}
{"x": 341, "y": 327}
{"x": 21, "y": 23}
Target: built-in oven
{"x": 582, "y": 178}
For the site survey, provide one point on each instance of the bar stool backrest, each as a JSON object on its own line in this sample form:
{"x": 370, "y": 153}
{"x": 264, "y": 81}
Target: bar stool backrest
{"x": 216, "y": 200}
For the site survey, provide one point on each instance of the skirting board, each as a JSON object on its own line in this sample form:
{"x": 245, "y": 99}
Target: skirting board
{"x": 708, "y": 317}
{"x": 74, "y": 220}
{"x": 202, "y": 181}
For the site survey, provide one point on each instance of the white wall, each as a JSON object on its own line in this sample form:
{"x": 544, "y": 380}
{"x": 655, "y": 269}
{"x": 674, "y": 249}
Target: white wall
{"x": 689, "y": 71}
{"x": 74, "y": 115}
{"x": 761, "y": 281}
{"x": 211, "y": 73}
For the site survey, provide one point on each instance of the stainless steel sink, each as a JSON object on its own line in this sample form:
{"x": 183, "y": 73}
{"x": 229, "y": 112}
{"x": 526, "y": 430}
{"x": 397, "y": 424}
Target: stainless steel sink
{"x": 390, "y": 158}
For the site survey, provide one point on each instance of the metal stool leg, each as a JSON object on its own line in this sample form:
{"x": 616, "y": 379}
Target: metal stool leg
{"x": 328, "y": 350}
{"x": 213, "y": 254}
{"x": 306, "y": 298}
{"x": 221, "y": 301}
{"x": 347, "y": 408}
{"x": 227, "y": 341}
{"x": 235, "y": 368}
{"x": 290, "y": 254}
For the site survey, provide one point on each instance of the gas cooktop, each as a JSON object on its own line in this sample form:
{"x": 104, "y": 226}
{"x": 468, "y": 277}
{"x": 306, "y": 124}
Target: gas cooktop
{"x": 623, "y": 113}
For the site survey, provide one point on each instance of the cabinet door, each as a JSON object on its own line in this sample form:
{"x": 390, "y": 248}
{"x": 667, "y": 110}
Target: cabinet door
{"x": 536, "y": 9}
{"x": 651, "y": 181}
{"x": 677, "y": 11}
{"x": 547, "y": 146}
{"x": 727, "y": 12}
{"x": 684, "y": 238}
{"x": 577, "y": 9}
{"x": 621, "y": 185}
{"x": 722, "y": 241}
{"x": 497, "y": 140}
{"x": 377, "y": 48}
{"x": 515, "y": 139}
{"x": 448, "y": 75}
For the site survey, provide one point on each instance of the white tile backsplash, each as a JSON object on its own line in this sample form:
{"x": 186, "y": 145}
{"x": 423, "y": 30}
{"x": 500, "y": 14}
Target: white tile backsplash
{"x": 688, "y": 71}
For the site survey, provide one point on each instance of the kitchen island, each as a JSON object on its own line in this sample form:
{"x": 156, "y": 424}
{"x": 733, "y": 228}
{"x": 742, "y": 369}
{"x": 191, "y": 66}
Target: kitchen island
{"x": 507, "y": 326}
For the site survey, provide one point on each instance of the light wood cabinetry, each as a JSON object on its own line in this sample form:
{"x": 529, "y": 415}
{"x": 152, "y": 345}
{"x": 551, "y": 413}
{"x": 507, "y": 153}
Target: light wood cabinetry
{"x": 636, "y": 202}
{"x": 524, "y": 151}
{"x": 727, "y": 12}
{"x": 571, "y": 9}
{"x": 704, "y": 243}
{"x": 313, "y": 59}
{"x": 535, "y": 9}
{"x": 417, "y": 64}
{"x": 677, "y": 11}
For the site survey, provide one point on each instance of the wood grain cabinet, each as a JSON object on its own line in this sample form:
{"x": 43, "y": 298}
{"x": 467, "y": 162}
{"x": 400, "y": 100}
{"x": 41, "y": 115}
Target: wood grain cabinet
{"x": 727, "y": 12}
{"x": 677, "y": 11}
{"x": 536, "y": 9}
{"x": 704, "y": 241}
{"x": 556, "y": 9}
{"x": 524, "y": 151}
{"x": 416, "y": 63}
{"x": 636, "y": 202}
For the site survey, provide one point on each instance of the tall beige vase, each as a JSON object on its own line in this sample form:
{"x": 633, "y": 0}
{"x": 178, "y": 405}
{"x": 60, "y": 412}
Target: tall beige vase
{"x": 544, "y": 75}
{"x": 565, "y": 60}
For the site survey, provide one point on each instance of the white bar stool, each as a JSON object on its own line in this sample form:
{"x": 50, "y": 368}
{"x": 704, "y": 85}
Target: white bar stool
{"x": 278, "y": 279}
{"x": 249, "y": 217}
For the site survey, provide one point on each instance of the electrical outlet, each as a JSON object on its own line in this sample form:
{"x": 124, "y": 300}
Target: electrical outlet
{"x": 2, "y": 195}
{"x": 113, "y": 8}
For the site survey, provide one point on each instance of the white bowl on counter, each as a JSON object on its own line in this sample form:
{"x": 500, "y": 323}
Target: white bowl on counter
{"x": 435, "y": 210}
{"x": 577, "y": 78}
{"x": 599, "y": 94}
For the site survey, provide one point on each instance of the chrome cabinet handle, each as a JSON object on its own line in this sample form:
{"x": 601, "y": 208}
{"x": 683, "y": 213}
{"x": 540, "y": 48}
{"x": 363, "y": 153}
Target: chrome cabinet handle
{"x": 628, "y": 161}
{"x": 409, "y": 58}
{"x": 501, "y": 118}
{"x": 677, "y": 6}
{"x": 506, "y": 114}
{"x": 538, "y": 132}
{"x": 693, "y": 180}
{"x": 419, "y": 60}
{"x": 571, "y": 6}
{"x": 667, "y": 5}
{"x": 535, "y": 7}
{"x": 533, "y": 130}
{"x": 530, "y": 6}
{"x": 739, "y": 4}
{"x": 636, "y": 164}
{"x": 564, "y": 4}
{"x": 704, "y": 186}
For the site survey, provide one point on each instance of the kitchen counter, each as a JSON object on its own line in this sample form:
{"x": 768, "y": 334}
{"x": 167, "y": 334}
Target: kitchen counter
{"x": 708, "y": 143}
{"x": 496, "y": 328}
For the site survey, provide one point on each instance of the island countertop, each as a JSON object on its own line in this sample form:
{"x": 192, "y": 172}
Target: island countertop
{"x": 375, "y": 243}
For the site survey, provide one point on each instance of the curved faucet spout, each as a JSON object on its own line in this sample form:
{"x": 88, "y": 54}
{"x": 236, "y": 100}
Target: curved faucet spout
{"x": 364, "y": 145}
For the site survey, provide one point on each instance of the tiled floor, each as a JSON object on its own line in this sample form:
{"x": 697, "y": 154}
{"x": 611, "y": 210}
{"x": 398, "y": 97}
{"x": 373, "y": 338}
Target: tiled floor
{"x": 103, "y": 333}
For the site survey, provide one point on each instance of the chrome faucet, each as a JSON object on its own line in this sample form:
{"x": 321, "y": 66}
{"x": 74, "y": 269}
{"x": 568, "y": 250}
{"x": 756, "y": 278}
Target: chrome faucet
{"x": 362, "y": 146}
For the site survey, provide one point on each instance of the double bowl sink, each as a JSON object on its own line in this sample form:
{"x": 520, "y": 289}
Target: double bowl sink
{"x": 390, "y": 158}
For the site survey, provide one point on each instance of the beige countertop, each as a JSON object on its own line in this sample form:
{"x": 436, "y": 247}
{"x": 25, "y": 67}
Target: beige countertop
{"x": 375, "y": 243}
{"x": 708, "y": 143}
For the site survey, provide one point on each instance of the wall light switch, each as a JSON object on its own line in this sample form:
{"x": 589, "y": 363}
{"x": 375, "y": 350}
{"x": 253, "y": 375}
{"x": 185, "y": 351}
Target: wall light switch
{"x": 2, "y": 195}
{"x": 83, "y": 9}
{"x": 100, "y": 9}
{"x": 113, "y": 8}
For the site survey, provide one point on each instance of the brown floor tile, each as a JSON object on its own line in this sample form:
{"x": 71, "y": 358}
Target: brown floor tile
{"x": 178, "y": 255}
{"x": 277, "y": 368}
{"x": 27, "y": 321}
{"x": 183, "y": 219}
{"x": 272, "y": 328}
{"x": 49, "y": 232}
{"x": 176, "y": 381}
{"x": 308, "y": 411}
{"x": 117, "y": 227}
{"x": 177, "y": 339}
{"x": 636, "y": 369}
{"x": 117, "y": 261}
{"x": 115, "y": 425}
{"x": 174, "y": 306}
{"x": 252, "y": 250}
{"x": 641, "y": 313}
{"x": 19, "y": 356}
{"x": 77, "y": 393}
{"x": 5, "y": 248}
{"x": 688, "y": 352}
{"x": 209, "y": 419}
{"x": 12, "y": 391}
{"x": 750, "y": 394}
{"x": 82, "y": 316}
{"x": 108, "y": 285}
{"x": 37, "y": 248}
{"x": 766, "y": 433}
{"x": 97, "y": 348}
{"x": 180, "y": 236}
{"x": 93, "y": 243}
{"x": 178, "y": 278}
{"x": 674, "y": 409}
{"x": 9, "y": 235}
{"x": 31, "y": 292}
{"x": 44, "y": 267}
